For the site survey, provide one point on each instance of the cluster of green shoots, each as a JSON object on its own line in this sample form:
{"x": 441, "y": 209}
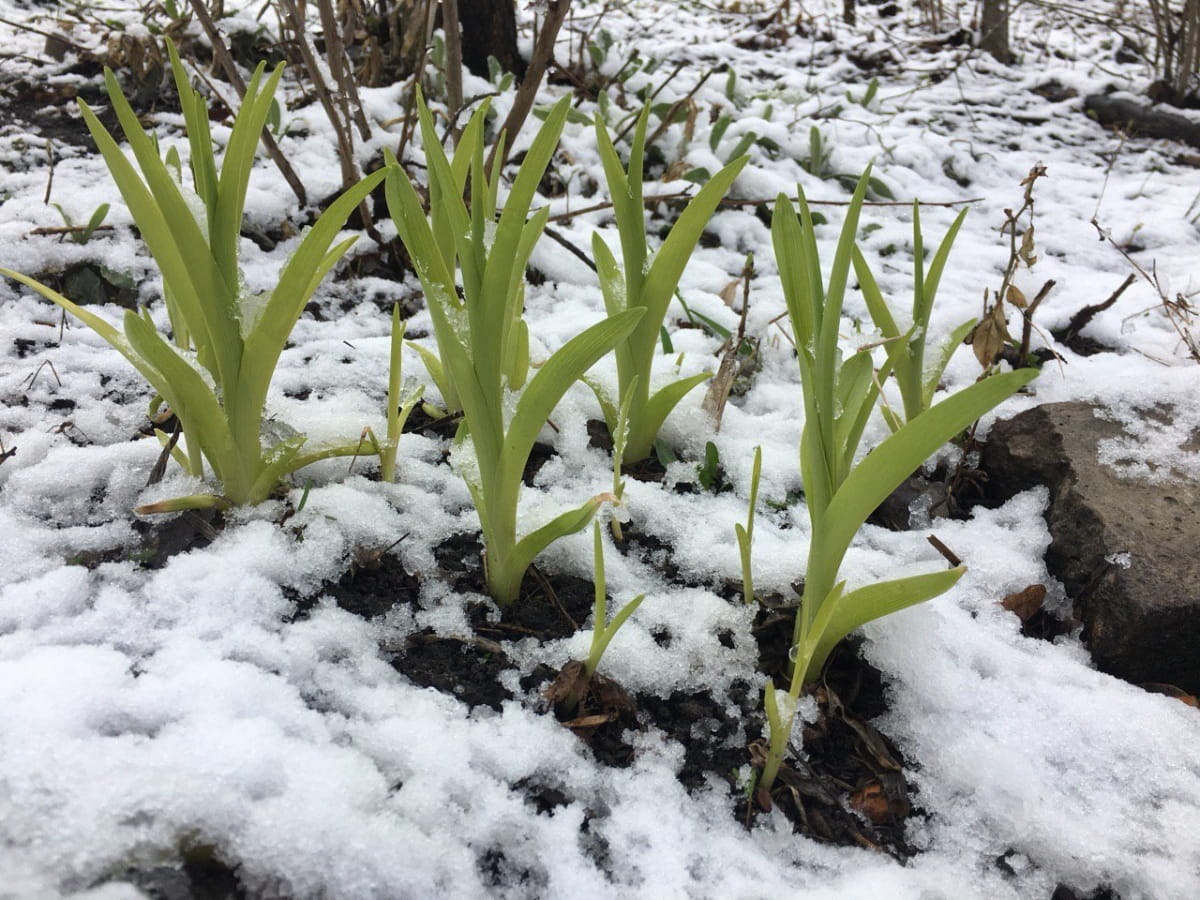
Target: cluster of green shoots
{"x": 839, "y": 396}
{"x": 215, "y": 370}
{"x": 470, "y": 256}
{"x": 482, "y": 339}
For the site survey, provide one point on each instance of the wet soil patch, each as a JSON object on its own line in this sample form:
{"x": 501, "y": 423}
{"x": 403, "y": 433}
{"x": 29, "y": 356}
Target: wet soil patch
{"x": 713, "y": 739}
{"x": 191, "y": 530}
{"x": 849, "y": 789}
{"x": 659, "y": 554}
{"x": 373, "y": 585}
{"x": 199, "y": 875}
{"x": 465, "y": 667}
{"x": 420, "y": 422}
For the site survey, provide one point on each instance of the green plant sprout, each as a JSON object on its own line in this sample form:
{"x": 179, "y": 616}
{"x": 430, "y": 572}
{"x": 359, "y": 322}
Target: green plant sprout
{"x": 745, "y": 533}
{"x": 226, "y": 341}
{"x": 708, "y": 473}
{"x": 868, "y": 96}
{"x": 575, "y": 680}
{"x": 906, "y": 352}
{"x": 450, "y": 217}
{"x": 483, "y": 343}
{"x": 646, "y": 283}
{"x": 840, "y": 494}
{"x": 402, "y": 398}
{"x": 700, "y": 175}
{"x": 620, "y": 436}
{"x": 820, "y": 164}
{"x": 81, "y": 234}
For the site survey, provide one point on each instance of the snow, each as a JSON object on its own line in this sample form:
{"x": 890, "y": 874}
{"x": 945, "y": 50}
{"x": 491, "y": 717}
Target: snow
{"x": 147, "y": 711}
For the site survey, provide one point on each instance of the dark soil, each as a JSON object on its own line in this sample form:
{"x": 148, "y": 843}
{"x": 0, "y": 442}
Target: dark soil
{"x": 849, "y": 790}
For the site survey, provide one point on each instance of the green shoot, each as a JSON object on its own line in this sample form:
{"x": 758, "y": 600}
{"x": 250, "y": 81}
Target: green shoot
{"x": 619, "y": 439}
{"x": 709, "y": 472}
{"x": 645, "y": 282}
{"x": 482, "y": 339}
{"x": 745, "y": 533}
{"x": 401, "y": 400}
{"x": 216, "y": 374}
{"x": 916, "y": 380}
{"x": 839, "y": 396}
{"x": 603, "y": 631}
{"x": 81, "y": 234}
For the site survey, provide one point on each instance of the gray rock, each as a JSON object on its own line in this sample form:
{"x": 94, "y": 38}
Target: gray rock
{"x": 1127, "y": 551}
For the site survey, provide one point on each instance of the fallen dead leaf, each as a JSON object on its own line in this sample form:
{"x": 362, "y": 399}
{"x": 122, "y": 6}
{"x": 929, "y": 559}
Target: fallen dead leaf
{"x": 1025, "y": 603}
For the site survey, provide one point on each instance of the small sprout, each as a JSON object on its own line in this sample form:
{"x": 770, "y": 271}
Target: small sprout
{"x": 709, "y": 472}
{"x": 745, "y": 533}
{"x": 575, "y": 681}
{"x": 646, "y": 282}
{"x": 618, "y": 453}
{"x": 81, "y": 234}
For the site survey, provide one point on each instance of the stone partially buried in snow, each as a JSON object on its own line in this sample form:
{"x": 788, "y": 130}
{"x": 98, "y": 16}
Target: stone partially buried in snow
{"x": 1124, "y": 548}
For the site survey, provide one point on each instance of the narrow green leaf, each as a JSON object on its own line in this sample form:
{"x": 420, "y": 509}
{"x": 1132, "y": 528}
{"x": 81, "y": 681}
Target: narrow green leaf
{"x": 555, "y": 378}
{"x": 301, "y": 274}
{"x": 843, "y": 613}
{"x": 671, "y": 258}
{"x": 882, "y": 471}
{"x": 934, "y": 376}
{"x": 505, "y": 575}
{"x": 645, "y": 428}
{"x": 191, "y": 398}
{"x": 433, "y": 366}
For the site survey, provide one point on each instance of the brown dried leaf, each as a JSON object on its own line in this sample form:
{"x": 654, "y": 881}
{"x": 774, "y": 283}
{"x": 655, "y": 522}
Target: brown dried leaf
{"x": 719, "y": 388}
{"x": 1016, "y": 297}
{"x": 610, "y": 696}
{"x": 989, "y": 336}
{"x": 569, "y": 679}
{"x": 730, "y": 291}
{"x": 676, "y": 169}
{"x": 762, "y": 797}
{"x": 587, "y": 723}
{"x": 1026, "y": 602}
{"x": 689, "y": 125}
{"x": 872, "y": 801}
{"x": 1028, "y": 252}
{"x": 1171, "y": 690}
{"x": 880, "y": 802}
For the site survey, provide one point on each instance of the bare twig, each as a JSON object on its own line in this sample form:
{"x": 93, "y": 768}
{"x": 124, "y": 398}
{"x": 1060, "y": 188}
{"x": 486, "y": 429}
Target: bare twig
{"x": 338, "y": 118}
{"x": 1178, "y": 311}
{"x": 225, "y": 60}
{"x": 558, "y": 238}
{"x": 65, "y": 229}
{"x": 676, "y": 106}
{"x": 335, "y": 55}
{"x": 21, "y": 26}
{"x": 50, "y": 177}
{"x": 1081, "y": 319}
{"x": 733, "y": 202}
{"x": 543, "y": 53}
{"x": 1027, "y": 320}
{"x": 950, "y": 555}
{"x": 410, "y": 119}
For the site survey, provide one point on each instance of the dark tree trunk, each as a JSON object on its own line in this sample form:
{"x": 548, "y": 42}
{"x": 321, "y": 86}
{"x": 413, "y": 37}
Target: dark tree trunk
{"x": 489, "y": 28}
{"x": 993, "y": 29}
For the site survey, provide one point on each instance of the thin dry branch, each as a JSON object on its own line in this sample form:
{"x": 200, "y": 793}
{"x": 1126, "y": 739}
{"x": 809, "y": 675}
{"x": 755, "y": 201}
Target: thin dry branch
{"x": 225, "y": 61}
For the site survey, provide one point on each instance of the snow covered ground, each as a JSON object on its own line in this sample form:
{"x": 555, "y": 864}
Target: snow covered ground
{"x": 145, "y": 711}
